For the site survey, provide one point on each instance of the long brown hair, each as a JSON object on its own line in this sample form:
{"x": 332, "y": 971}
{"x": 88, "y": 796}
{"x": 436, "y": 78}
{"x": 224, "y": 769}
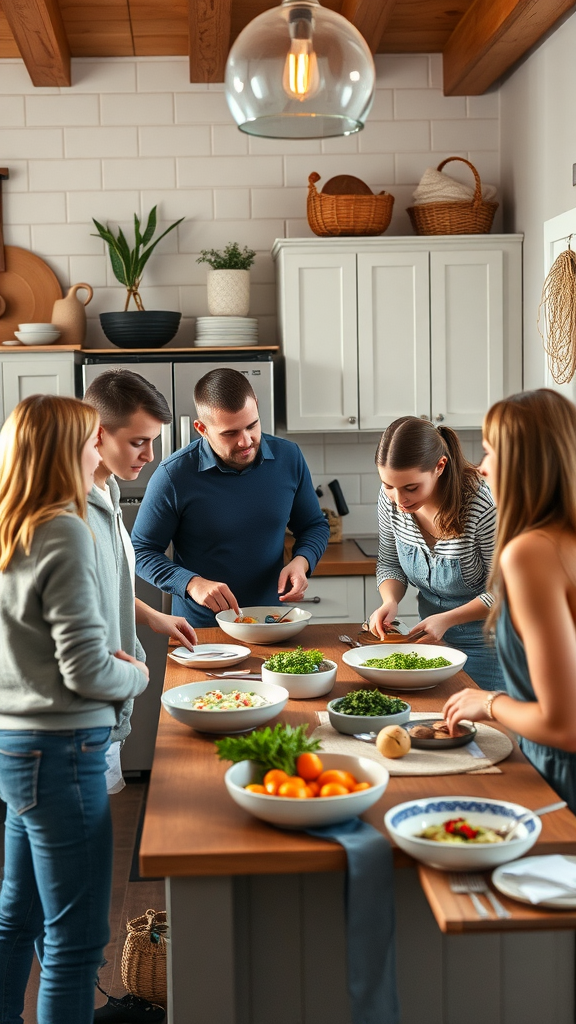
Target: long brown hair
{"x": 533, "y": 435}
{"x": 413, "y": 443}
{"x": 41, "y": 446}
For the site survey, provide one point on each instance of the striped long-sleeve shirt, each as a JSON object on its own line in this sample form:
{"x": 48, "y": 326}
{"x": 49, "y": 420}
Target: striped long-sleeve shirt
{"x": 474, "y": 548}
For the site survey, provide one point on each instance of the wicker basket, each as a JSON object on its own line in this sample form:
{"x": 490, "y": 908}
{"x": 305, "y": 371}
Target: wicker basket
{"x": 458, "y": 217}
{"x": 144, "y": 957}
{"x": 347, "y": 214}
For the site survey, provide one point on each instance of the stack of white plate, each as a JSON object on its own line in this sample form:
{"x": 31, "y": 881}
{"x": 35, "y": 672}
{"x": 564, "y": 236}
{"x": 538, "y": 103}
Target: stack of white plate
{"x": 226, "y": 330}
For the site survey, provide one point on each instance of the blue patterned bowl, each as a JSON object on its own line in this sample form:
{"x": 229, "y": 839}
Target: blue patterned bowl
{"x": 406, "y": 820}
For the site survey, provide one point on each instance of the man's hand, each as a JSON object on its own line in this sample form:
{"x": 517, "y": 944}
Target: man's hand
{"x": 122, "y": 656}
{"x": 215, "y": 596}
{"x": 176, "y": 626}
{"x": 292, "y": 581}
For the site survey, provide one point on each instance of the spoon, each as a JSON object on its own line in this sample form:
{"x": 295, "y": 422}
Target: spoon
{"x": 270, "y": 618}
{"x": 345, "y": 639}
{"x": 508, "y": 831}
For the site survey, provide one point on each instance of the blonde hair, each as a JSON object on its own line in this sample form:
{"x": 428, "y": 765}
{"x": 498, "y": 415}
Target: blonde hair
{"x": 41, "y": 446}
{"x": 533, "y": 435}
{"x": 413, "y": 443}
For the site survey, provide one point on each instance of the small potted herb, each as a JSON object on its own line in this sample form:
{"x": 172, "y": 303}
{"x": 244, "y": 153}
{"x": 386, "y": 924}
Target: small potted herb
{"x": 367, "y": 711}
{"x": 228, "y": 279}
{"x": 302, "y": 673}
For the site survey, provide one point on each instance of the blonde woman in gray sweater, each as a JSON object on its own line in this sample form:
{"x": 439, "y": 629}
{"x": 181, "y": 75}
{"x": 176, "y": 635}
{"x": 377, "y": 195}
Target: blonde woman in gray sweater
{"x": 60, "y": 691}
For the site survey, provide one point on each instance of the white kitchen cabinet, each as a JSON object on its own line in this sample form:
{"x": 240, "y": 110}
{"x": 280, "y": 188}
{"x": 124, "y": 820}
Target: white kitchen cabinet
{"x": 50, "y": 373}
{"x": 341, "y": 598}
{"x": 377, "y": 328}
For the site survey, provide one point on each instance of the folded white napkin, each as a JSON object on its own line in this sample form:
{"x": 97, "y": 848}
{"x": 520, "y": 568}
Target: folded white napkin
{"x": 438, "y": 187}
{"x": 543, "y": 878}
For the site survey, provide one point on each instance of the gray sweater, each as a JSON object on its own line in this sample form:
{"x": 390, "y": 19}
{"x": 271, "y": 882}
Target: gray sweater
{"x": 115, "y": 585}
{"x": 56, "y": 669}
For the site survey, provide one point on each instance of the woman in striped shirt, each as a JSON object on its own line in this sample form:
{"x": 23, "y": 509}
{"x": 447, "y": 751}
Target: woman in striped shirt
{"x": 437, "y": 522}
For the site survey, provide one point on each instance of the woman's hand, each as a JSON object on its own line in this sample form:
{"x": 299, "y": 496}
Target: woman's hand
{"x": 176, "y": 626}
{"x": 434, "y": 627}
{"x": 141, "y": 665}
{"x": 468, "y": 704}
{"x": 386, "y": 613}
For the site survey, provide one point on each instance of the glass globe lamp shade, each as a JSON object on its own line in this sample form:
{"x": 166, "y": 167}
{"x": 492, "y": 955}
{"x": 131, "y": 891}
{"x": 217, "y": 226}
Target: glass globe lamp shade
{"x": 300, "y": 71}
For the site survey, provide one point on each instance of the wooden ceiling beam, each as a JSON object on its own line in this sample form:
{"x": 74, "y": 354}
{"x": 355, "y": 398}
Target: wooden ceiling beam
{"x": 209, "y": 30}
{"x": 39, "y": 32}
{"x": 491, "y": 37}
{"x": 370, "y": 17}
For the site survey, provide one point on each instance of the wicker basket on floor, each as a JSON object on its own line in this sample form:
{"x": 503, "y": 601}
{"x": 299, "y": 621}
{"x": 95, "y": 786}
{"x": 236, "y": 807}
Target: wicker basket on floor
{"x": 347, "y": 214}
{"x": 457, "y": 217}
{"x": 144, "y": 957}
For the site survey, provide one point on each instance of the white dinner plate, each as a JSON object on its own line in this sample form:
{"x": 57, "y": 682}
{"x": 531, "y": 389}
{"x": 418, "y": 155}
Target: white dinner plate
{"x": 509, "y": 887}
{"x": 201, "y": 657}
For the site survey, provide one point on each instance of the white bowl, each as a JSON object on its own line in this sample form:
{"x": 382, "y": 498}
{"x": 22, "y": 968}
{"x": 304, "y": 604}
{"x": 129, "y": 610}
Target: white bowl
{"x": 352, "y": 724}
{"x": 263, "y": 632}
{"x": 405, "y": 679}
{"x": 405, "y": 820}
{"x": 310, "y": 684}
{"x": 37, "y": 337}
{"x": 177, "y": 703}
{"x": 37, "y": 327}
{"x": 291, "y": 812}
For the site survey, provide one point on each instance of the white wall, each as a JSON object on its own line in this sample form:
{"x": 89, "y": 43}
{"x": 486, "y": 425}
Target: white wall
{"x": 538, "y": 148}
{"x": 133, "y": 132}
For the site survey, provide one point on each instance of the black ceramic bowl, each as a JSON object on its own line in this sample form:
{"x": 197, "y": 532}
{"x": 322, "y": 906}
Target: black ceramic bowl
{"x": 148, "y": 328}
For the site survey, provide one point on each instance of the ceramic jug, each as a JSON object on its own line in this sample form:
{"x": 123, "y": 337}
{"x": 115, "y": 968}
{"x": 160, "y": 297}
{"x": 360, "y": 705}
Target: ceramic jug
{"x": 69, "y": 316}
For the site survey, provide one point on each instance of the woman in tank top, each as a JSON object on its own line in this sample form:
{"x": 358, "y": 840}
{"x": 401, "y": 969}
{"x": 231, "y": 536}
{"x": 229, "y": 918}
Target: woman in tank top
{"x": 530, "y": 464}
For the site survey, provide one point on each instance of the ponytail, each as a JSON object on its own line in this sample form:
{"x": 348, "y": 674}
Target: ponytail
{"x": 459, "y": 484}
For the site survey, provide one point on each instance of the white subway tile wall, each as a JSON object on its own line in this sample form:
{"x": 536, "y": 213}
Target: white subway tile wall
{"x": 133, "y": 132}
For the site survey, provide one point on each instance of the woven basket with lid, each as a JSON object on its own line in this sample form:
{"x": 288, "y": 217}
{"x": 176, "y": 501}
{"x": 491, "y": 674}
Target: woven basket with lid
{"x": 347, "y": 214}
{"x": 457, "y": 217}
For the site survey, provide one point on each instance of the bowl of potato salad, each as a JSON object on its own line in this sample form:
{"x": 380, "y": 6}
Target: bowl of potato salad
{"x": 235, "y": 706}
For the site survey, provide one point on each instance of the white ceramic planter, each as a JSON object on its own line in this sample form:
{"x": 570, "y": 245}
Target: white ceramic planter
{"x": 228, "y": 292}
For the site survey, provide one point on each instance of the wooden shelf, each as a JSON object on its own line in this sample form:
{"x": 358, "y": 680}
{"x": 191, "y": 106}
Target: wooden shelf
{"x": 175, "y": 351}
{"x": 41, "y": 348}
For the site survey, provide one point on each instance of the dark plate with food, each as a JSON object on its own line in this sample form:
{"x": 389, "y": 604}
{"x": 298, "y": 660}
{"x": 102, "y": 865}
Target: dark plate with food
{"x": 433, "y": 734}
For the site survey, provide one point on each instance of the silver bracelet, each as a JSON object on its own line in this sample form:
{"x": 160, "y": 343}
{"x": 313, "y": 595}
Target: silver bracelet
{"x": 490, "y": 700}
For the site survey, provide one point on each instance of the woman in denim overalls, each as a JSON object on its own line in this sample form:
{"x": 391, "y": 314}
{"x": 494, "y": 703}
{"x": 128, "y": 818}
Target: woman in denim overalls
{"x": 530, "y": 463}
{"x": 436, "y": 531}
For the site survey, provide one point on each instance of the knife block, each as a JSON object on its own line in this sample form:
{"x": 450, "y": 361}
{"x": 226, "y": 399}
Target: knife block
{"x": 335, "y": 524}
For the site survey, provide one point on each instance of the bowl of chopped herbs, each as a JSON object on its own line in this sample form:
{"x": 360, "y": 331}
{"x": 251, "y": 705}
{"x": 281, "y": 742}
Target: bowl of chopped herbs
{"x": 366, "y": 711}
{"x": 405, "y": 666}
{"x": 302, "y": 673}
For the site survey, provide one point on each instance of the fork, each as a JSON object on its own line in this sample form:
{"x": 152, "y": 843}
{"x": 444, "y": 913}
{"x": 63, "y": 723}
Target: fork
{"x": 345, "y": 639}
{"x": 463, "y": 882}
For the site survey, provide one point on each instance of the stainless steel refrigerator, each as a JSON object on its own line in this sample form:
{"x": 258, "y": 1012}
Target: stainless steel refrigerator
{"x": 175, "y": 376}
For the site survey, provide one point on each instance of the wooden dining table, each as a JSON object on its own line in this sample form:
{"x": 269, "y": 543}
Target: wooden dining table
{"x": 250, "y": 904}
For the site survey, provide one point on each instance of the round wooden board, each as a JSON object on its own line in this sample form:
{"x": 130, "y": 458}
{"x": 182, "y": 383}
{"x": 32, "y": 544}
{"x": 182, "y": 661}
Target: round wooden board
{"x": 29, "y": 287}
{"x": 346, "y": 185}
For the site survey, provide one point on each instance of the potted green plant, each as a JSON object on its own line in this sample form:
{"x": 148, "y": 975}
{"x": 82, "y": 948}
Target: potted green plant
{"x": 141, "y": 328}
{"x": 228, "y": 279}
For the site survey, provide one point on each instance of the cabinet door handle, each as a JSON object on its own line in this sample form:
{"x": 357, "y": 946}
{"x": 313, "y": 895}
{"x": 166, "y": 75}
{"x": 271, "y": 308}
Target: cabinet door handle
{"x": 439, "y": 418}
{"x": 351, "y": 419}
{"x": 310, "y": 600}
{"x": 184, "y": 431}
{"x": 166, "y": 440}
{"x": 423, "y": 416}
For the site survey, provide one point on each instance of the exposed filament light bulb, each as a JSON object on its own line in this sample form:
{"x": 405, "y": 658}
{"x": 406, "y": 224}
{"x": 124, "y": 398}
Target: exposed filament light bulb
{"x": 301, "y": 79}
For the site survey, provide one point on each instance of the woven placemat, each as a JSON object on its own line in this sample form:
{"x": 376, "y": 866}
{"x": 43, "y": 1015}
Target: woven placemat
{"x": 456, "y": 761}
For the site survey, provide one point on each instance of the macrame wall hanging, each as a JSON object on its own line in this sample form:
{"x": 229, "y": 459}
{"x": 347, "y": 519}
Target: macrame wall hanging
{"x": 557, "y": 310}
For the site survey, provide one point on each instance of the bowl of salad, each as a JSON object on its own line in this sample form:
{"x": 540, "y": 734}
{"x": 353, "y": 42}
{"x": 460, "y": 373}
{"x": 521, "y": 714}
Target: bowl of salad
{"x": 405, "y": 666}
{"x": 460, "y": 833}
{"x": 235, "y": 706}
{"x": 258, "y": 625}
{"x": 366, "y": 711}
{"x": 302, "y": 673}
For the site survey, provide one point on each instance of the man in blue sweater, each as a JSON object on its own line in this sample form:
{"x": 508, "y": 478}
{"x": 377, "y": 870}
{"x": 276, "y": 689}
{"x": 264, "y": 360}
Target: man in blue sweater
{"x": 224, "y": 503}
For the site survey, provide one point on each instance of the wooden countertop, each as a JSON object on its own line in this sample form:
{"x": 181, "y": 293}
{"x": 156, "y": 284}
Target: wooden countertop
{"x": 193, "y": 828}
{"x": 345, "y": 559}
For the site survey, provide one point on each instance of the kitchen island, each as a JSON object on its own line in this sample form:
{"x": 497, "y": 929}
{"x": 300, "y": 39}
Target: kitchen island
{"x": 256, "y": 913}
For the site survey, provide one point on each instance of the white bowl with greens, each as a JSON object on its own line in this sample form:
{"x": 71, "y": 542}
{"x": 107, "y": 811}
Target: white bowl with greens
{"x": 405, "y": 666}
{"x": 367, "y": 711}
{"x": 302, "y": 673}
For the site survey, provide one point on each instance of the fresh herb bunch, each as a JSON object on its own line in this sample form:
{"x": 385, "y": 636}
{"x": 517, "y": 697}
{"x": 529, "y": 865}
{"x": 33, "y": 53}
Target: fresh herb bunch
{"x": 297, "y": 663}
{"x": 231, "y": 258}
{"x": 368, "y": 702}
{"x": 269, "y": 748}
{"x": 407, "y": 661}
{"x": 128, "y": 264}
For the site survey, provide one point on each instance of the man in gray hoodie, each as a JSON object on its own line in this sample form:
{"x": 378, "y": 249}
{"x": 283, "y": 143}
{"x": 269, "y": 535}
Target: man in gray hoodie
{"x": 132, "y": 412}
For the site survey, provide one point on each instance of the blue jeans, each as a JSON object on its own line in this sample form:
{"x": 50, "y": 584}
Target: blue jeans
{"x": 58, "y": 870}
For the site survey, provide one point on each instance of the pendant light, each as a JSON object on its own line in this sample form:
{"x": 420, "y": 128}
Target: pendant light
{"x": 300, "y": 71}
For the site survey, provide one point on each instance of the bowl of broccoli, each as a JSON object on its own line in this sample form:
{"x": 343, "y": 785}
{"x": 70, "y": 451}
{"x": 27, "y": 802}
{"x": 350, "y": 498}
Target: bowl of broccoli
{"x": 302, "y": 673}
